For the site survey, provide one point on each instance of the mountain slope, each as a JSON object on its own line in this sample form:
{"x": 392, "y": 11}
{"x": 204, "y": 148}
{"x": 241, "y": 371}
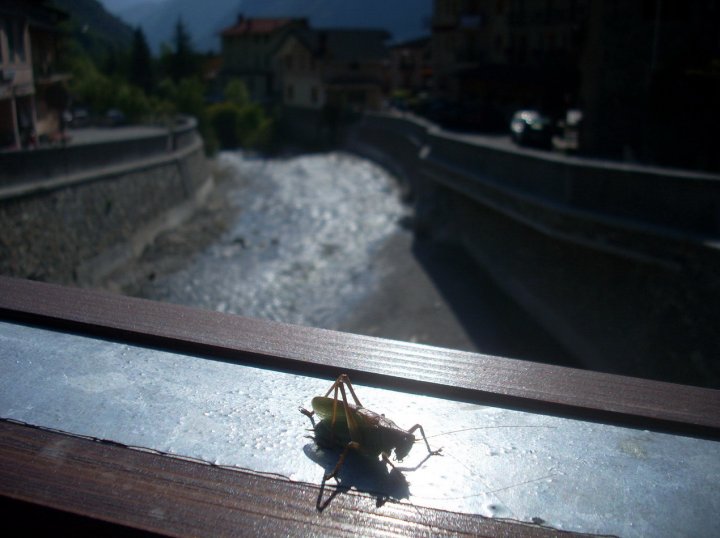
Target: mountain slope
{"x": 98, "y": 31}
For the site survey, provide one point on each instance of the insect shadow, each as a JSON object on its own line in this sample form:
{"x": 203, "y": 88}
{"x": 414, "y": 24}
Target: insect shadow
{"x": 360, "y": 473}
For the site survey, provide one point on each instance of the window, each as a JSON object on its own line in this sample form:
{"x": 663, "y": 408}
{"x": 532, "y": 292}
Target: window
{"x": 314, "y": 94}
{"x": 289, "y": 92}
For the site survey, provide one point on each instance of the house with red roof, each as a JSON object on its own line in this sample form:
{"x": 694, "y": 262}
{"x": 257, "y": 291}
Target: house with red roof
{"x": 247, "y": 51}
{"x": 343, "y": 68}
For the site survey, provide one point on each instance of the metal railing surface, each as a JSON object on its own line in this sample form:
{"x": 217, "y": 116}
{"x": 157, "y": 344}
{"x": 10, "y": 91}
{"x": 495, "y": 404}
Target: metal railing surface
{"x": 170, "y": 419}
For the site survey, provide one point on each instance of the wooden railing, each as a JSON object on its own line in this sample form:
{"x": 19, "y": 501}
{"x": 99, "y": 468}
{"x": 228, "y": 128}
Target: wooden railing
{"x": 98, "y": 484}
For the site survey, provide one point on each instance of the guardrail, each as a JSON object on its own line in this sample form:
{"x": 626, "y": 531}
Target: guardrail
{"x": 616, "y": 261}
{"x": 101, "y": 203}
{"x": 680, "y": 201}
{"x": 22, "y": 167}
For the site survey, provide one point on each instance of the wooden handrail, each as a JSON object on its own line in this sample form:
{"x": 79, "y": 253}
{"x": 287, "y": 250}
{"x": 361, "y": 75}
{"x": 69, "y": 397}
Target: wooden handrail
{"x": 130, "y": 488}
{"x": 133, "y": 489}
{"x": 418, "y": 368}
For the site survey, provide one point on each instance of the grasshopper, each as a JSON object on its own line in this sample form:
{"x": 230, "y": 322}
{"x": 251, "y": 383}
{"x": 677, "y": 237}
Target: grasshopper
{"x": 351, "y": 426}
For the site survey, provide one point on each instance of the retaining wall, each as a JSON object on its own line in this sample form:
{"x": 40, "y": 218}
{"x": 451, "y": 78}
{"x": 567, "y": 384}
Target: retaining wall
{"x": 74, "y": 215}
{"x": 619, "y": 262}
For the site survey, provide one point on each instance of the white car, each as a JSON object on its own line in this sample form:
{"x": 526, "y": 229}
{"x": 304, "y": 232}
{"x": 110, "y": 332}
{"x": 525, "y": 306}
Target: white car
{"x": 530, "y": 127}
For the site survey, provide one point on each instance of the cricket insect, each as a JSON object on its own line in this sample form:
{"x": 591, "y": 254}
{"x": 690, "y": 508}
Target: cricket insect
{"x": 351, "y": 426}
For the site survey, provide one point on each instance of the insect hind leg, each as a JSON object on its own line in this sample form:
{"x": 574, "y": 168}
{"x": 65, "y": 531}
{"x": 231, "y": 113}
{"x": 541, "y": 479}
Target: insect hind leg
{"x": 343, "y": 379}
{"x": 346, "y": 380}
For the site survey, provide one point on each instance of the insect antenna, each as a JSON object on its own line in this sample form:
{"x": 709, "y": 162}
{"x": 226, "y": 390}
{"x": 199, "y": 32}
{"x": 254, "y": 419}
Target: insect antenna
{"x": 489, "y": 428}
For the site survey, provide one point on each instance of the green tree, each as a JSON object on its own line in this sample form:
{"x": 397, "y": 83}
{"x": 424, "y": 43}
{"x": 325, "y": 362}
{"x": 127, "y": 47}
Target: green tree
{"x": 236, "y": 92}
{"x": 141, "y": 68}
{"x": 184, "y": 62}
{"x": 100, "y": 92}
{"x": 89, "y": 86}
{"x": 238, "y": 122}
{"x": 189, "y": 98}
{"x": 132, "y": 101}
{"x": 225, "y": 121}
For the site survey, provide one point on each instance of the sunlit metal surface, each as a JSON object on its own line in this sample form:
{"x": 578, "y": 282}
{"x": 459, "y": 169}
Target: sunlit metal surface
{"x": 564, "y": 473}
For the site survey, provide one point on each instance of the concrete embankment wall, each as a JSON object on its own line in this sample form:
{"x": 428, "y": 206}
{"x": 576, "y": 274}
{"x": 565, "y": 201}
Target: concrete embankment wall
{"x": 75, "y": 214}
{"x": 619, "y": 262}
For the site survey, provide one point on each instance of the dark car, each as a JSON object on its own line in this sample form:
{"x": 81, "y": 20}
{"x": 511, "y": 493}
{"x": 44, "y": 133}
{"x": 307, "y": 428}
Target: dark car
{"x": 115, "y": 117}
{"x": 531, "y": 128}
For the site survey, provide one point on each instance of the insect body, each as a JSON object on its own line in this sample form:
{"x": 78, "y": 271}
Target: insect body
{"x": 351, "y": 426}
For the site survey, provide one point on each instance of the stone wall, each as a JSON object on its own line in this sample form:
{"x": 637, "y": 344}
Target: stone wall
{"x": 78, "y": 227}
{"x": 619, "y": 262}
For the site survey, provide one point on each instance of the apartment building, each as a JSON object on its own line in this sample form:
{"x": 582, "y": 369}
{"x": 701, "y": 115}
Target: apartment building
{"x": 32, "y": 93}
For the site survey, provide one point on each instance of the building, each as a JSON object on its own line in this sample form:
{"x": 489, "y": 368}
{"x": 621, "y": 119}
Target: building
{"x": 651, "y": 82}
{"x": 334, "y": 68}
{"x": 508, "y": 53}
{"x": 247, "y": 53}
{"x": 32, "y": 93}
{"x": 645, "y": 74}
{"x": 411, "y": 66}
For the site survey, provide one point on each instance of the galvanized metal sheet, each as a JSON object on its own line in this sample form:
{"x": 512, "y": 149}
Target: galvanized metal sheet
{"x": 496, "y": 462}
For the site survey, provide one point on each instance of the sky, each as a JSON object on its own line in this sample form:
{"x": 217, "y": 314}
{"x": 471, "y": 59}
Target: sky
{"x": 115, "y": 4}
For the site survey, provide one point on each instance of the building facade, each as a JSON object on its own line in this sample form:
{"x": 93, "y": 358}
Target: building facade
{"x": 248, "y": 49}
{"x": 411, "y": 66}
{"x": 651, "y": 82}
{"x": 334, "y": 68}
{"x": 32, "y": 93}
{"x": 508, "y": 53}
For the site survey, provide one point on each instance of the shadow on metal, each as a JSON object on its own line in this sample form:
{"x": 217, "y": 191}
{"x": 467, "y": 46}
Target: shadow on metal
{"x": 359, "y": 473}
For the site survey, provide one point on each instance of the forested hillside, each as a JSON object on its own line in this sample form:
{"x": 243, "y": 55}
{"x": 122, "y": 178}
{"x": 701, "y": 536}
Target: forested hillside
{"x": 98, "y": 32}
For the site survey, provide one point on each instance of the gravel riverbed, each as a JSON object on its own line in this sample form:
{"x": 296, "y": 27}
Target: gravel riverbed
{"x": 321, "y": 240}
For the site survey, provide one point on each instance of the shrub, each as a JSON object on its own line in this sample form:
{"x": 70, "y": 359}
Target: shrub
{"x": 241, "y": 126}
{"x": 225, "y": 120}
{"x": 133, "y": 102}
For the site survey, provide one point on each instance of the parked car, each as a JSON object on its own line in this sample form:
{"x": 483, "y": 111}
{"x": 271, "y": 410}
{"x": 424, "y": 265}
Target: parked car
{"x": 115, "y": 117}
{"x": 78, "y": 117}
{"x": 531, "y": 128}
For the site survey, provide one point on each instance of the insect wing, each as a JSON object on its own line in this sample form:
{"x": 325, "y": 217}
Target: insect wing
{"x": 327, "y": 435}
{"x": 323, "y": 406}
{"x": 374, "y": 420}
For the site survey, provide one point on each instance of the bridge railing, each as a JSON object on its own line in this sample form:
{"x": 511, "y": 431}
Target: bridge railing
{"x": 21, "y": 167}
{"x": 57, "y": 466}
{"x": 681, "y": 200}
